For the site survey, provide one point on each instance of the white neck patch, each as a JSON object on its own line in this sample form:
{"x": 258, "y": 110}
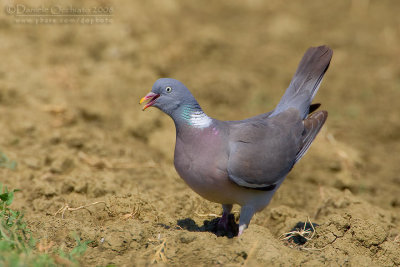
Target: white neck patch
{"x": 199, "y": 119}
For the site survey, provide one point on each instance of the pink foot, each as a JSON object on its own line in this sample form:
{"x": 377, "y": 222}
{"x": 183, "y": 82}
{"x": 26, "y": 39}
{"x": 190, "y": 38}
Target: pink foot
{"x": 241, "y": 229}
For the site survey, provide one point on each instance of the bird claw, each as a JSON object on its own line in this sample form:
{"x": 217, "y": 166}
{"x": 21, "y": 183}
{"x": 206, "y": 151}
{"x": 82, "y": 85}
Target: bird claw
{"x": 227, "y": 226}
{"x": 241, "y": 229}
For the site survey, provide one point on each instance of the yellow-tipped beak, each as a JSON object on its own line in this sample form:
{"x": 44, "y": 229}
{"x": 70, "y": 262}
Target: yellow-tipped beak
{"x": 142, "y": 100}
{"x": 152, "y": 97}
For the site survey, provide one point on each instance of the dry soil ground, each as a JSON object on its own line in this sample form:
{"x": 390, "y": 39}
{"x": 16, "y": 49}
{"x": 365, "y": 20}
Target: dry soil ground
{"x": 69, "y": 116}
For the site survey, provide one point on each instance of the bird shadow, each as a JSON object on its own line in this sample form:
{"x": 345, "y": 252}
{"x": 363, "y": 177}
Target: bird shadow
{"x": 211, "y": 226}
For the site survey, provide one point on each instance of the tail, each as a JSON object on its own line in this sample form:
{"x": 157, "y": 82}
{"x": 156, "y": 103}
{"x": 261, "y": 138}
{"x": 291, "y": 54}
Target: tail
{"x": 312, "y": 125}
{"x": 306, "y": 81}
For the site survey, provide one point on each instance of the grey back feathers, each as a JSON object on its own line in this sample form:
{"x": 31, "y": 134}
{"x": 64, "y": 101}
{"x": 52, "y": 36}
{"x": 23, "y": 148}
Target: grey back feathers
{"x": 263, "y": 152}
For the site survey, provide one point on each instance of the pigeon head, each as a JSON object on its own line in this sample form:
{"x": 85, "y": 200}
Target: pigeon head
{"x": 168, "y": 95}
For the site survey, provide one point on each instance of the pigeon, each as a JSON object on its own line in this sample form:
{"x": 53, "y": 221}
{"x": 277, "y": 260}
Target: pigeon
{"x": 243, "y": 162}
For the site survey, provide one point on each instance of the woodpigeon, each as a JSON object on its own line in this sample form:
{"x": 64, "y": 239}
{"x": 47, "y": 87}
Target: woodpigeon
{"x": 244, "y": 162}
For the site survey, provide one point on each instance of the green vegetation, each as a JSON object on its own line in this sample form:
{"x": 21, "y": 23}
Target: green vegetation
{"x": 7, "y": 163}
{"x": 19, "y": 248}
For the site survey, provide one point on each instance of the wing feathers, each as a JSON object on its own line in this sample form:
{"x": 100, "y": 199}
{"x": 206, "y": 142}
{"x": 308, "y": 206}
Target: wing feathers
{"x": 312, "y": 126}
{"x": 243, "y": 183}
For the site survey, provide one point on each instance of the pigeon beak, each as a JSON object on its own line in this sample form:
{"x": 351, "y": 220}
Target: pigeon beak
{"x": 150, "y": 96}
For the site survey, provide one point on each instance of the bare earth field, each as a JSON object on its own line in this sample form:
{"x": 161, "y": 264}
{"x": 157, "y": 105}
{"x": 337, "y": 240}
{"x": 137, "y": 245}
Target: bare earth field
{"x": 69, "y": 117}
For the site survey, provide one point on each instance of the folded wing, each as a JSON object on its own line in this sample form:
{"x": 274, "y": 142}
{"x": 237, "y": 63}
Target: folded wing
{"x": 262, "y": 152}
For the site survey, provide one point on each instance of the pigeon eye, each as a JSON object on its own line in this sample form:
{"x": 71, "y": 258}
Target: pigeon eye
{"x": 168, "y": 89}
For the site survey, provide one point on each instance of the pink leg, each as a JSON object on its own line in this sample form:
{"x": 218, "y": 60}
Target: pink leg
{"x": 246, "y": 213}
{"x": 224, "y": 221}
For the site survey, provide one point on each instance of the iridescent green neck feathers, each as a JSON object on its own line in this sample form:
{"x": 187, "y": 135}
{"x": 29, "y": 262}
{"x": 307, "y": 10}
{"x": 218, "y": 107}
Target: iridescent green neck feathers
{"x": 194, "y": 116}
